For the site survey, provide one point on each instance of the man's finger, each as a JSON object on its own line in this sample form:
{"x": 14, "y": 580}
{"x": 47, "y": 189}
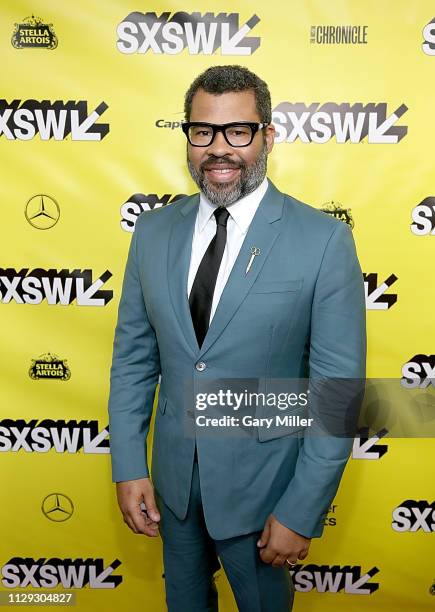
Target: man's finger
{"x": 279, "y": 561}
{"x": 267, "y": 555}
{"x": 152, "y": 531}
{"x": 150, "y": 523}
{"x": 129, "y": 522}
{"x": 135, "y": 516}
{"x": 264, "y": 536}
{"x": 138, "y": 524}
{"x": 151, "y": 506}
{"x": 143, "y": 523}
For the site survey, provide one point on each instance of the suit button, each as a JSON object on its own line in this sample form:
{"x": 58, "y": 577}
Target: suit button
{"x": 200, "y": 366}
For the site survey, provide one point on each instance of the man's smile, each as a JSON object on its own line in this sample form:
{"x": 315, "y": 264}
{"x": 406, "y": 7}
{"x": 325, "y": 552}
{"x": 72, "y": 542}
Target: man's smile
{"x": 223, "y": 172}
{"x": 222, "y": 175}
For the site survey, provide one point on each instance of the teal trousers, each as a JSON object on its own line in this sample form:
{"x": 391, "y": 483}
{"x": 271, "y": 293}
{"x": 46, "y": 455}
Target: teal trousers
{"x": 191, "y": 558}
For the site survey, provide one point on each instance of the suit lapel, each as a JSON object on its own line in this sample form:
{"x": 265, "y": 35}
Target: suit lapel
{"x": 179, "y": 250}
{"x": 262, "y": 234}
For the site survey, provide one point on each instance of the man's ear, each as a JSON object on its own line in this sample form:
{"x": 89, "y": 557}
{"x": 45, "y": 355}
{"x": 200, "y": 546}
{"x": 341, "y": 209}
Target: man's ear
{"x": 270, "y": 136}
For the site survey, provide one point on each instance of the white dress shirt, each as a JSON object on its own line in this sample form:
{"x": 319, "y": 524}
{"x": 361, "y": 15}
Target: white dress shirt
{"x": 241, "y": 214}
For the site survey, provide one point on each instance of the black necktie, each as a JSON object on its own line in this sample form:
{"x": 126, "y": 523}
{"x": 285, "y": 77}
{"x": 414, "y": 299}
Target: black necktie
{"x": 201, "y": 294}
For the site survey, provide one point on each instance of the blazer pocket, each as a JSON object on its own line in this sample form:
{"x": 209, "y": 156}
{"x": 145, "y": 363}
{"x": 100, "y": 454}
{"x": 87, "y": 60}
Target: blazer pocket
{"x": 280, "y": 427}
{"x": 264, "y": 435}
{"x": 265, "y": 286}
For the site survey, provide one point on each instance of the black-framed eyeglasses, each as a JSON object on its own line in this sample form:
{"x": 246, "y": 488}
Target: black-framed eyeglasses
{"x": 237, "y": 133}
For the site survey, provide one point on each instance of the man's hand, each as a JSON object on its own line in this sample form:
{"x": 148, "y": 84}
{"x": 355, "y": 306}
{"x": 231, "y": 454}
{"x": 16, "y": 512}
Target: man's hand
{"x": 279, "y": 543}
{"x": 130, "y": 494}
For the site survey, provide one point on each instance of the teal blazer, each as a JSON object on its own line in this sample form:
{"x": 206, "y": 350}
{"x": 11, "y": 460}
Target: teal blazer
{"x": 298, "y": 313}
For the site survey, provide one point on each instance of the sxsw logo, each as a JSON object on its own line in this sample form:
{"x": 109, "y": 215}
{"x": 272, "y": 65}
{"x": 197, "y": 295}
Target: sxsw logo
{"x": 344, "y": 122}
{"x": 63, "y": 436}
{"x": 333, "y": 579}
{"x": 419, "y": 372}
{"x": 63, "y": 287}
{"x": 199, "y": 34}
{"x": 414, "y": 515}
{"x": 423, "y": 218}
{"x": 376, "y": 294}
{"x": 139, "y": 202}
{"x": 429, "y": 38}
{"x": 24, "y": 120}
{"x": 366, "y": 446}
{"x": 25, "y": 572}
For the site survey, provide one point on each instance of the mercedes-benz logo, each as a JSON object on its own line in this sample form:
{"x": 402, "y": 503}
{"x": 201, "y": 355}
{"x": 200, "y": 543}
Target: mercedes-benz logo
{"x": 42, "y": 211}
{"x": 57, "y": 507}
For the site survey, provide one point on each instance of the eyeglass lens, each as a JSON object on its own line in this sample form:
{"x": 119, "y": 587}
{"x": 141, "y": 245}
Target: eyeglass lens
{"x": 237, "y": 135}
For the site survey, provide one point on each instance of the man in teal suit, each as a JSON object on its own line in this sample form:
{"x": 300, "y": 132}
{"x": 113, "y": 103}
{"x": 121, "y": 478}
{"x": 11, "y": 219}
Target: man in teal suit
{"x": 238, "y": 282}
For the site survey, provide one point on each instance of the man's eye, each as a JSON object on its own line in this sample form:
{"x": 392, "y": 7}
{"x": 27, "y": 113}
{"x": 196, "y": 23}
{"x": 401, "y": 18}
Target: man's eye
{"x": 201, "y": 132}
{"x": 238, "y": 132}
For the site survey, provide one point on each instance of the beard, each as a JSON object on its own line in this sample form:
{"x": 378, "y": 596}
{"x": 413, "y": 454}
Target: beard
{"x": 226, "y": 194}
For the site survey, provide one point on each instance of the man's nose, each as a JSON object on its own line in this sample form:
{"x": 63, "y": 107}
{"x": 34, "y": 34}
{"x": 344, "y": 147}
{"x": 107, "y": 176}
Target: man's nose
{"x": 219, "y": 146}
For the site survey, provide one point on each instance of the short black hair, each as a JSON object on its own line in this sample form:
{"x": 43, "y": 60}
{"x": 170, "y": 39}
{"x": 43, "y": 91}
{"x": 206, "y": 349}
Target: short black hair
{"x": 222, "y": 79}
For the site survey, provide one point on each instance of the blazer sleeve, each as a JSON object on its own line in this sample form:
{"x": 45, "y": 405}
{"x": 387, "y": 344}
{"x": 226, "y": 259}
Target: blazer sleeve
{"x": 133, "y": 376}
{"x": 337, "y": 356}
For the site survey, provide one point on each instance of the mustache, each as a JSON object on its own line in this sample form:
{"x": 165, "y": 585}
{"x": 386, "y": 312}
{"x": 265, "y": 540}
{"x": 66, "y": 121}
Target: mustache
{"x": 221, "y": 161}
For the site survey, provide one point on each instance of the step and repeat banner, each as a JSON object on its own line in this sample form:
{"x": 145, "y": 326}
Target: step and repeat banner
{"x": 90, "y": 110}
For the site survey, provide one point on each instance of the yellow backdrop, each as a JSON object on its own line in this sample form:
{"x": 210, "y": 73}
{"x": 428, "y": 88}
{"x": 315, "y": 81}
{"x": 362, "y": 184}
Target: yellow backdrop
{"x": 92, "y": 97}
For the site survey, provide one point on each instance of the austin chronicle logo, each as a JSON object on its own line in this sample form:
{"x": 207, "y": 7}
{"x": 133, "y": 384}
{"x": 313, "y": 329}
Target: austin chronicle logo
{"x": 42, "y": 211}
{"x": 338, "y": 35}
{"x": 57, "y": 507}
{"x": 34, "y": 33}
{"x": 49, "y": 366}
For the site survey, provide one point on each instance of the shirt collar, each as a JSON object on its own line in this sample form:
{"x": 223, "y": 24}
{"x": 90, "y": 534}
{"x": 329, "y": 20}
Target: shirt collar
{"x": 241, "y": 211}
